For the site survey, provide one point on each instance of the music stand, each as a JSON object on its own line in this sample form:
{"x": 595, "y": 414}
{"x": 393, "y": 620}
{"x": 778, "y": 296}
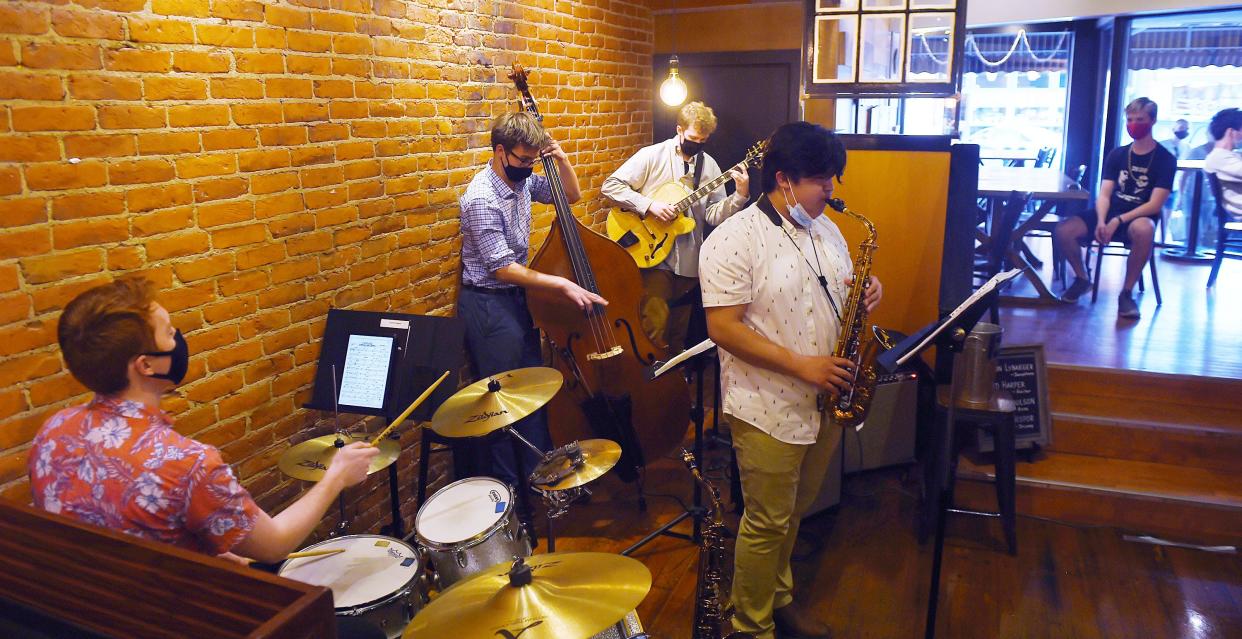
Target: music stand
{"x": 693, "y": 355}
{"x": 947, "y": 334}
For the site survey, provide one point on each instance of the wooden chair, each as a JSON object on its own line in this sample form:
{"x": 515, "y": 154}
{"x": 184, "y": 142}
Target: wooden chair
{"x": 1228, "y": 231}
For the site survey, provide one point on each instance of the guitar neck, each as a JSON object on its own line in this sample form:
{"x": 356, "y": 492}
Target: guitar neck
{"x": 713, "y": 184}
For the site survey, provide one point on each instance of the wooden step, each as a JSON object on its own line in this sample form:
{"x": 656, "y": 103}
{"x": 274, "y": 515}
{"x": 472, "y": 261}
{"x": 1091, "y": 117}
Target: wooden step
{"x": 1150, "y": 441}
{"x": 1185, "y": 504}
{"x": 1145, "y": 396}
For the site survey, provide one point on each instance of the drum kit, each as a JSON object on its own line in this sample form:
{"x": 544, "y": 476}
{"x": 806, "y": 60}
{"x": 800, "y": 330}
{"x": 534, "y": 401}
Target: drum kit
{"x": 473, "y": 560}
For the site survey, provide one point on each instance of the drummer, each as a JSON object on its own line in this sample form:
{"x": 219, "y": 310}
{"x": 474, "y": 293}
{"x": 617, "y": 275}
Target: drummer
{"x": 116, "y": 461}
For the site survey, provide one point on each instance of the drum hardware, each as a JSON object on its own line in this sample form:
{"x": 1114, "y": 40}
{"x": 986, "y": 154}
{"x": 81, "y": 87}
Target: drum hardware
{"x": 469, "y": 525}
{"x": 550, "y": 596}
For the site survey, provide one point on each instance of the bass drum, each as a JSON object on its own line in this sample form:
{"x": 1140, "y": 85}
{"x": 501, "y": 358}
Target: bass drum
{"x": 373, "y": 579}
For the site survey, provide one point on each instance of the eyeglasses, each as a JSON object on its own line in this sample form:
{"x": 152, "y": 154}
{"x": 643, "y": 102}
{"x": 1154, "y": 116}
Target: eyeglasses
{"x": 521, "y": 161}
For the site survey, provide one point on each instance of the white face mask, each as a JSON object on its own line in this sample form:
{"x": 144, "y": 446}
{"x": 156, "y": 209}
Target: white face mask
{"x": 796, "y": 212}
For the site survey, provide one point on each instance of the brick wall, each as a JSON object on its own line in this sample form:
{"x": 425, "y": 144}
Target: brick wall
{"x": 263, "y": 161}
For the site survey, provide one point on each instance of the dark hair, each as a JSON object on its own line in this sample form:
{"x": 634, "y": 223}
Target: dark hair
{"x": 801, "y": 150}
{"x": 1224, "y": 120}
{"x": 103, "y": 329}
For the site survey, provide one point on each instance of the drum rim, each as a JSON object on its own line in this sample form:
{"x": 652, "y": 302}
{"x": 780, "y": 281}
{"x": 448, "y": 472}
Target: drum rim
{"x": 469, "y": 542}
{"x": 372, "y": 604}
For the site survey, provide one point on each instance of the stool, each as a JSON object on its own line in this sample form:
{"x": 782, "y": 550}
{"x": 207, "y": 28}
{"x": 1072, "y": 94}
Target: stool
{"x": 997, "y": 419}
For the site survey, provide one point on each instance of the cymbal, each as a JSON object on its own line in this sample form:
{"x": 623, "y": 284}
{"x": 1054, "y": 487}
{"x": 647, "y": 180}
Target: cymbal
{"x": 308, "y": 460}
{"x": 598, "y": 457}
{"x": 569, "y": 594}
{"x": 495, "y": 402}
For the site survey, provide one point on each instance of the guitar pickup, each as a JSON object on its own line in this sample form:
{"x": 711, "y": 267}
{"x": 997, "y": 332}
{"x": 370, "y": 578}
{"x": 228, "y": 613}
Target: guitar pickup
{"x": 627, "y": 240}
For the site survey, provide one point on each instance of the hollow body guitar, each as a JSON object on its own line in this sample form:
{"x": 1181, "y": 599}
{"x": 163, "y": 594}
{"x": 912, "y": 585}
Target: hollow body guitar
{"x": 649, "y": 240}
{"x": 603, "y": 353}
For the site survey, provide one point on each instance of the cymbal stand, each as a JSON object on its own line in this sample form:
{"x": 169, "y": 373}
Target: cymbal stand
{"x": 342, "y": 525}
{"x": 557, "y": 501}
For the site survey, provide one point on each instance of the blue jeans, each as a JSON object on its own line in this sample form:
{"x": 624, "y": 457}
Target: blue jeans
{"x": 500, "y": 337}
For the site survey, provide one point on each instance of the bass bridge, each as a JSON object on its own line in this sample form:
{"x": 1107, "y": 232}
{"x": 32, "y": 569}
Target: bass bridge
{"x": 608, "y": 354}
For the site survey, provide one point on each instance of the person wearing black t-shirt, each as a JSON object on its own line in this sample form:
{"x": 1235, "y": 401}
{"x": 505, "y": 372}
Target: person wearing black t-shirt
{"x": 1136, "y": 181}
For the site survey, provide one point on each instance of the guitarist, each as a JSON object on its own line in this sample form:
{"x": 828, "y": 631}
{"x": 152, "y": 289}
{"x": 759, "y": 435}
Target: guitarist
{"x": 495, "y": 228}
{"x": 665, "y": 312}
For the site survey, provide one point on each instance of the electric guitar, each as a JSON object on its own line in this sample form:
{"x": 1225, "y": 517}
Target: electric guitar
{"x": 649, "y": 240}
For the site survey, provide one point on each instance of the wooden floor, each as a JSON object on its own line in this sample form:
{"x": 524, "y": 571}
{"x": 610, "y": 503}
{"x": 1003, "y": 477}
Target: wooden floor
{"x": 1196, "y": 331}
{"x": 870, "y": 576}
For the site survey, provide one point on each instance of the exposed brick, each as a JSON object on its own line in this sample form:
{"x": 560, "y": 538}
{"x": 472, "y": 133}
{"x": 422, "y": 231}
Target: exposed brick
{"x": 283, "y": 136}
{"x": 174, "y": 89}
{"x": 304, "y": 65}
{"x": 305, "y": 112}
{"x": 29, "y": 86}
{"x": 88, "y": 24}
{"x": 99, "y": 146}
{"x": 140, "y": 172}
{"x": 27, "y": 19}
{"x": 82, "y": 205}
{"x": 225, "y": 35}
{"x": 198, "y": 115}
{"x": 257, "y": 113}
{"x": 199, "y": 166}
{"x": 194, "y": 8}
{"x": 201, "y": 62}
{"x": 53, "y": 268}
{"x": 284, "y": 17}
{"x": 310, "y": 42}
{"x": 163, "y": 221}
{"x": 27, "y": 240}
{"x": 21, "y": 212}
{"x": 238, "y": 235}
{"x": 221, "y": 189}
{"x": 236, "y": 88}
{"x": 31, "y": 148}
{"x": 192, "y": 270}
{"x": 260, "y": 63}
{"x": 262, "y": 160}
{"x": 157, "y": 197}
{"x": 163, "y": 31}
{"x": 89, "y": 232}
{"x": 141, "y": 60}
{"x": 168, "y": 143}
{"x": 54, "y": 176}
{"x": 54, "y": 297}
{"x": 225, "y": 213}
{"x": 281, "y": 205}
{"x": 237, "y": 10}
{"x": 273, "y": 182}
{"x": 229, "y": 139}
{"x": 288, "y": 88}
{"x": 132, "y": 117}
{"x": 53, "y": 118}
{"x": 178, "y": 245}
{"x": 104, "y": 87}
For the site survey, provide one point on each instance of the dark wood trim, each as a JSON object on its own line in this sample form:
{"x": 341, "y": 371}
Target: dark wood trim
{"x": 892, "y": 142}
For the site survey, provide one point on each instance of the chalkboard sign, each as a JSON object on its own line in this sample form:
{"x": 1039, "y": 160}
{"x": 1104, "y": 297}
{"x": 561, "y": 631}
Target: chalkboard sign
{"x": 1021, "y": 372}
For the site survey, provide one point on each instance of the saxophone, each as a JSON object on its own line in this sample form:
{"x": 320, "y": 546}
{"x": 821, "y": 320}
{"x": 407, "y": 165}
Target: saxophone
{"x": 855, "y": 342}
{"x": 710, "y": 611}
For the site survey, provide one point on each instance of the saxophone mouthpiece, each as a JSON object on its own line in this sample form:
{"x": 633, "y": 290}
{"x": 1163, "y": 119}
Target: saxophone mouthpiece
{"x": 837, "y": 204}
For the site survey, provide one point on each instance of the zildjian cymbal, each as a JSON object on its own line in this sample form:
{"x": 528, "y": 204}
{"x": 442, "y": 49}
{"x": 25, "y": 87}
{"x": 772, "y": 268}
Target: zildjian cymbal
{"x": 550, "y": 596}
{"x": 567, "y": 468}
{"x": 308, "y": 460}
{"x": 495, "y": 402}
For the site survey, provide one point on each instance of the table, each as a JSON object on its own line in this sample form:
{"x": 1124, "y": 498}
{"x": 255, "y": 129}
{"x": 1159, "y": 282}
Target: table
{"x": 1047, "y": 184}
{"x": 1011, "y": 158}
{"x": 1191, "y": 252}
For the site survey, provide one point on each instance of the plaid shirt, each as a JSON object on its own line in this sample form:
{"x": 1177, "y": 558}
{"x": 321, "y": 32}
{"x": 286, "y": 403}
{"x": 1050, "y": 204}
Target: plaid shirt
{"x": 495, "y": 225}
{"x": 120, "y": 465}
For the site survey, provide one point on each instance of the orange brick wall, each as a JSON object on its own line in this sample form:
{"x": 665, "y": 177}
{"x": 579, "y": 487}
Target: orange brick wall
{"x": 262, "y": 162}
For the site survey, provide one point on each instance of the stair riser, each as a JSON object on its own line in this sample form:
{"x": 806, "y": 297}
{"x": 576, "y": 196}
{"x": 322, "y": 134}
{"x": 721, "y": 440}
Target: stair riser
{"x": 1170, "y": 519}
{"x": 1173, "y": 392}
{"x": 1217, "y": 450}
{"x": 1113, "y": 407}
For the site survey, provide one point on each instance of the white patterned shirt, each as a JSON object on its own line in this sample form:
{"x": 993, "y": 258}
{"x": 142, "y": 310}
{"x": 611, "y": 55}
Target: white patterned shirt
{"x": 754, "y": 259}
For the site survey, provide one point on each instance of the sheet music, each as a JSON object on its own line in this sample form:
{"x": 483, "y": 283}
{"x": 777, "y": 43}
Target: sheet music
{"x": 701, "y": 347}
{"x": 367, "y": 359}
{"x": 997, "y": 280}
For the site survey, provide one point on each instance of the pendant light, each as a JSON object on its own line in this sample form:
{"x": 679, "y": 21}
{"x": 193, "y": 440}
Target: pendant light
{"x": 673, "y": 90}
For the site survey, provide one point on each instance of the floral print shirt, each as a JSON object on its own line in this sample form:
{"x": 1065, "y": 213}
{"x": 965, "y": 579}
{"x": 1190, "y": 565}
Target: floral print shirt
{"x": 120, "y": 465}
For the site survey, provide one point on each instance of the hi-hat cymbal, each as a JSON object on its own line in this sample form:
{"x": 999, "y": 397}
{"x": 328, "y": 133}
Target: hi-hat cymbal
{"x": 495, "y": 402}
{"x": 569, "y": 594}
{"x": 598, "y": 457}
{"x": 308, "y": 460}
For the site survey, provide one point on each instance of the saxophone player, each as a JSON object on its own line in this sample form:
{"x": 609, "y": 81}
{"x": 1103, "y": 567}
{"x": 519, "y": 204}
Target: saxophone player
{"x": 774, "y": 278}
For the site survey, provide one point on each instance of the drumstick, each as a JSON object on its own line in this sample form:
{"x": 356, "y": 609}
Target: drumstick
{"x": 313, "y": 553}
{"x": 401, "y": 418}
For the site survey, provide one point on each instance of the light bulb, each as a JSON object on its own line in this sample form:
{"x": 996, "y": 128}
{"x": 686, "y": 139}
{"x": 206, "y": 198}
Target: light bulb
{"x": 673, "y": 90}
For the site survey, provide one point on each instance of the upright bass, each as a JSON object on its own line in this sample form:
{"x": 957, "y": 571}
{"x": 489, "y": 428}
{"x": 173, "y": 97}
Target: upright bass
{"x": 603, "y": 353}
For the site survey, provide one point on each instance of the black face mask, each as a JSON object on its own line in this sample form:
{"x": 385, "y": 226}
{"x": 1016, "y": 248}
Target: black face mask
{"x": 690, "y": 148}
{"x": 516, "y": 173}
{"x": 1181, "y": 135}
{"x": 180, "y": 360}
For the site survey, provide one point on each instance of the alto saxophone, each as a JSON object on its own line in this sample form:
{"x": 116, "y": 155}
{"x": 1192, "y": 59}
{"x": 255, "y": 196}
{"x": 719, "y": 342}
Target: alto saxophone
{"x": 711, "y": 612}
{"x": 856, "y": 343}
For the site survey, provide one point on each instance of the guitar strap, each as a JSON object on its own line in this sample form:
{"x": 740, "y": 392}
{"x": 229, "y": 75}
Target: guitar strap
{"x": 698, "y": 171}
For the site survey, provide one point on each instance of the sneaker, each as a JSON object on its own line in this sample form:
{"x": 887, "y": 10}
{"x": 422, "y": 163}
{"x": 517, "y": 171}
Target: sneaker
{"x": 1075, "y": 290}
{"x": 1126, "y": 307}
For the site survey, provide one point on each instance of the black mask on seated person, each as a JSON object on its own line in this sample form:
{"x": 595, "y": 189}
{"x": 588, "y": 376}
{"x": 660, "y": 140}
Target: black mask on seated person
{"x": 180, "y": 360}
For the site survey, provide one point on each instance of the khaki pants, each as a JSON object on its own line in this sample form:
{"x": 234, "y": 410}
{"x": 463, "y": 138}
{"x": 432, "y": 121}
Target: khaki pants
{"x": 779, "y": 483}
{"x": 664, "y": 324}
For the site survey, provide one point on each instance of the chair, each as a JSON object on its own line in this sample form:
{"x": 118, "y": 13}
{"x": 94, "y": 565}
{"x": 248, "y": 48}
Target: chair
{"x": 1228, "y": 231}
{"x": 1045, "y": 157}
{"x": 1120, "y": 247}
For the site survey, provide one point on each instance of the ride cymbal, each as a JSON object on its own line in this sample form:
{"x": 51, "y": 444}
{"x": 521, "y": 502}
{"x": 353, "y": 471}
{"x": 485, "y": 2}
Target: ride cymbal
{"x": 308, "y": 460}
{"x": 495, "y": 402}
{"x": 561, "y": 596}
{"x": 563, "y": 471}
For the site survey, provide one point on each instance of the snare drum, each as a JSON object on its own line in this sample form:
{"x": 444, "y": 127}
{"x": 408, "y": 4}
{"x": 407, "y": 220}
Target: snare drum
{"x": 470, "y": 525}
{"x": 374, "y": 579}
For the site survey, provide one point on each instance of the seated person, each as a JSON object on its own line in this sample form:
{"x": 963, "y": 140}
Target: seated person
{"x": 1134, "y": 185}
{"x": 116, "y": 461}
{"x": 1224, "y": 161}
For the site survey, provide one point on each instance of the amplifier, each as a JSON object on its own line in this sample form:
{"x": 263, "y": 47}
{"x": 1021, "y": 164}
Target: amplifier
{"x": 885, "y": 438}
